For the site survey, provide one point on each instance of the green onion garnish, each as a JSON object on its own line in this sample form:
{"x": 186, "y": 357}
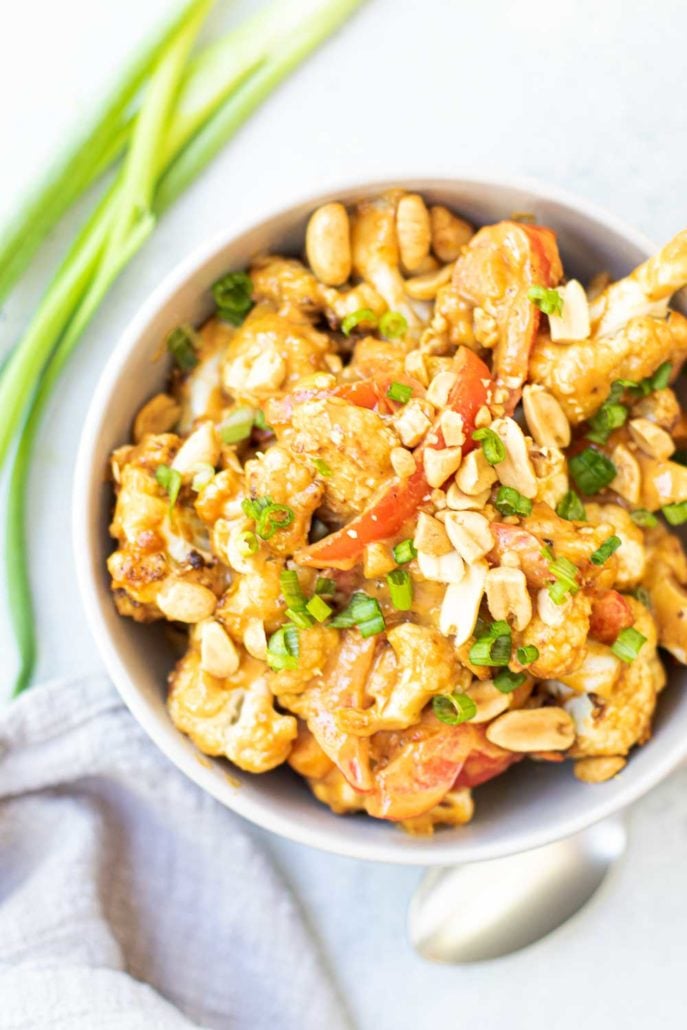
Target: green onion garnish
{"x": 325, "y": 587}
{"x": 203, "y": 475}
{"x": 322, "y": 467}
{"x": 511, "y": 502}
{"x": 453, "y": 708}
{"x": 570, "y": 507}
{"x": 363, "y": 316}
{"x": 661, "y": 377}
{"x": 528, "y": 654}
{"x": 404, "y": 551}
{"x": 494, "y": 648}
{"x": 363, "y": 612}
{"x": 548, "y": 301}
{"x": 259, "y": 420}
{"x": 607, "y": 548}
{"x": 628, "y": 644}
{"x": 392, "y": 324}
{"x": 318, "y": 608}
{"x": 291, "y": 590}
{"x": 182, "y": 346}
{"x": 248, "y": 543}
{"x": 400, "y": 392}
{"x": 566, "y": 580}
{"x": 401, "y": 589}
{"x": 643, "y": 596}
{"x": 610, "y": 416}
{"x": 507, "y": 681}
{"x": 170, "y": 481}
{"x": 237, "y": 426}
{"x": 644, "y": 518}
{"x": 592, "y": 470}
{"x": 283, "y": 648}
{"x": 492, "y": 445}
{"x": 269, "y": 517}
{"x": 299, "y": 618}
{"x": 232, "y": 295}
{"x": 675, "y": 514}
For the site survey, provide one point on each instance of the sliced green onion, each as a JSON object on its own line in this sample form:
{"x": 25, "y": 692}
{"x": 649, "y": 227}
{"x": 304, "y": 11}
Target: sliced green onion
{"x": 547, "y": 553}
{"x": 392, "y": 324}
{"x": 507, "y": 681}
{"x": 203, "y": 475}
{"x": 363, "y": 612}
{"x": 547, "y": 300}
{"x": 363, "y": 316}
{"x": 299, "y": 618}
{"x": 610, "y": 416}
{"x": 248, "y": 543}
{"x": 661, "y": 377}
{"x": 592, "y": 470}
{"x": 643, "y": 596}
{"x": 628, "y": 644}
{"x": 322, "y": 467}
{"x": 325, "y": 587}
{"x": 453, "y": 708}
{"x": 401, "y": 589}
{"x": 493, "y": 649}
{"x": 558, "y": 592}
{"x": 254, "y": 506}
{"x": 273, "y": 518}
{"x": 237, "y": 426}
{"x": 291, "y": 589}
{"x": 566, "y": 580}
{"x": 170, "y": 481}
{"x": 259, "y": 420}
{"x": 570, "y": 507}
{"x": 644, "y": 518}
{"x": 675, "y": 514}
{"x": 604, "y": 552}
{"x": 232, "y": 295}
{"x": 283, "y": 648}
{"x": 400, "y": 392}
{"x": 528, "y": 654}
{"x": 510, "y": 501}
{"x": 318, "y": 608}
{"x": 182, "y": 346}
{"x": 492, "y": 445}
{"x": 404, "y": 552}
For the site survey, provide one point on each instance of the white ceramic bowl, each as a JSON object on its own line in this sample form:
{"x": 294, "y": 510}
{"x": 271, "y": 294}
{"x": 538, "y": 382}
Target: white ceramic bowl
{"x": 531, "y": 805}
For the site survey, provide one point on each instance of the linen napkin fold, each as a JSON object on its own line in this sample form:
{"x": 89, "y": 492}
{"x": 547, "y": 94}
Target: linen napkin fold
{"x": 128, "y": 897}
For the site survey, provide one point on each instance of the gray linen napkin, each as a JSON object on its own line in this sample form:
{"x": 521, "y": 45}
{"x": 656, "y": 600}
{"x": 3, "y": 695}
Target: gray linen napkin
{"x": 130, "y": 899}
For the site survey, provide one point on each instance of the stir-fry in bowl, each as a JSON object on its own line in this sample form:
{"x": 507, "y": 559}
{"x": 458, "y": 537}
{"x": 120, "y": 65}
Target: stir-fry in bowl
{"x": 412, "y": 496}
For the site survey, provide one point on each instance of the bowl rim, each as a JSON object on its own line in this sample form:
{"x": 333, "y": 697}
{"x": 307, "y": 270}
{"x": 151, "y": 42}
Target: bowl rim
{"x": 375, "y": 850}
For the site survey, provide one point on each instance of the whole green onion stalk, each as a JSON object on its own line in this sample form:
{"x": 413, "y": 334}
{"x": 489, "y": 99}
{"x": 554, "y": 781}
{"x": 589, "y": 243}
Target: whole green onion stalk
{"x": 188, "y": 111}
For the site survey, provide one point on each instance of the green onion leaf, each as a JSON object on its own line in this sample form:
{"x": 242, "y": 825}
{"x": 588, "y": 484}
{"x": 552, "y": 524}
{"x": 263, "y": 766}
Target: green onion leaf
{"x": 291, "y": 590}
{"x": 392, "y": 324}
{"x": 644, "y": 518}
{"x": 325, "y": 587}
{"x": 400, "y": 392}
{"x": 232, "y": 295}
{"x": 273, "y": 518}
{"x": 570, "y": 507}
{"x": 643, "y": 596}
{"x": 528, "y": 654}
{"x": 254, "y": 506}
{"x": 318, "y": 608}
{"x": 558, "y": 592}
{"x": 547, "y": 300}
{"x": 170, "y": 481}
{"x": 628, "y": 644}
{"x": 259, "y": 420}
{"x": 511, "y": 502}
{"x": 592, "y": 470}
{"x": 401, "y": 589}
{"x": 495, "y": 647}
{"x": 283, "y": 648}
{"x": 661, "y": 377}
{"x": 507, "y": 681}
{"x": 404, "y": 551}
{"x": 608, "y": 417}
{"x": 566, "y": 580}
{"x": 363, "y": 612}
{"x": 362, "y": 317}
{"x": 299, "y": 618}
{"x": 492, "y": 445}
{"x": 237, "y": 426}
{"x": 453, "y": 708}
{"x": 181, "y": 344}
{"x": 675, "y": 514}
{"x": 322, "y": 467}
{"x": 607, "y": 548}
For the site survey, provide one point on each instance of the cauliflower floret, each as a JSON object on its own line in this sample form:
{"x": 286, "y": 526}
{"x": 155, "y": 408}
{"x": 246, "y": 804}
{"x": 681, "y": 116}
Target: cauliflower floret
{"x": 254, "y": 595}
{"x": 455, "y": 809}
{"x": 631, "y": 555}
{"x": 355, "y": 446}
{"x": 562, "y": 646}
{"x": 666, "y": 579}
{"x": 234, "y": 717}
{"x": 275, "y": 474}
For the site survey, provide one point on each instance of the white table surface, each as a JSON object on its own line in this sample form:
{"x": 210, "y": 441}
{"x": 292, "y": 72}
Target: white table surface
{"x": 582, "y": 94}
